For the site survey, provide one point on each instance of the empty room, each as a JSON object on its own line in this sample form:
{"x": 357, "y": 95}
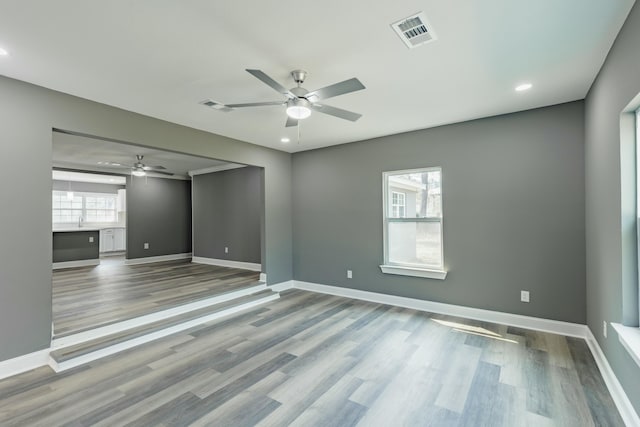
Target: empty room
{"x": 329, "y": 213}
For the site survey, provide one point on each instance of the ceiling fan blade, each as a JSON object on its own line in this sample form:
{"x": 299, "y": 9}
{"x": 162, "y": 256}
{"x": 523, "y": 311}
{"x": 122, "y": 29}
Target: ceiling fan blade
{"x": 256, "y": 104}
{"x": 150, "y": 168}
{"x": 291, "y": 122}
{"x": 330, "y": 91}
{"x": 270, "y": 82}
{"x": 114, "y": 165}
{"x": 337, "y": 112}
{"x": 160, "y": 172}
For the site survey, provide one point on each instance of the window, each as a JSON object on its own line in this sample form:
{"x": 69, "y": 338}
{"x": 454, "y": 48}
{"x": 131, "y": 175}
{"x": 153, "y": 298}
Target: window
{"x": 91, "y": 207}
{"x": 397, "y": 205}
{"x": 413, "y": 223}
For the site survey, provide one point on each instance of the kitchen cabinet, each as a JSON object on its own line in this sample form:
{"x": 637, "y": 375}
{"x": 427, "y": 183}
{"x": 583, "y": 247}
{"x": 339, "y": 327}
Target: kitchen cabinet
{"x": 112, "y": 239}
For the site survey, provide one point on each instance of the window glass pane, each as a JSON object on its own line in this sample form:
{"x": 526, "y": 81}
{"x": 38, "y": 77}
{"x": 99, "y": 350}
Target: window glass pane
{"x": 419, "y": 193}
{"x": 415, "y": 244}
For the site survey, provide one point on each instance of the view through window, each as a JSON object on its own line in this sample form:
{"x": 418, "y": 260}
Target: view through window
{"x": 413, "y": 218}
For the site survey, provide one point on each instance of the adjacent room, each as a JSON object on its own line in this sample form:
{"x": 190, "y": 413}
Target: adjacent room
{"x": 274, "y": 213}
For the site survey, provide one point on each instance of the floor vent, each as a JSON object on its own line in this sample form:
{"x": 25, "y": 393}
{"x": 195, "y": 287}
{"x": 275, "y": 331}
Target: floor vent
{"x": 215, "y": 105}
{"x": 414, "y": 30}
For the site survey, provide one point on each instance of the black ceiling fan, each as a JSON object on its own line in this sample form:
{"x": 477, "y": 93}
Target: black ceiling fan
{"x": 299, "y": 101}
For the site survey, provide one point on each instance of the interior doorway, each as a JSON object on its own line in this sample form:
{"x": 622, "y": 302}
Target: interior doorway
{"x": 173, "y": 209}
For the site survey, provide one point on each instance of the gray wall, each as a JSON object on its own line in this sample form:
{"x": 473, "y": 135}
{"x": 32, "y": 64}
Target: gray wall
{"x": 74, "y": 246}
{"x": 29, "y": 113}
{"x": 610, "y": 209}
{"x": 158, "y": 213}
{"x": 227, "y": 206}
{"x": 88, "y": 187}
{"x": 513, "y": 204}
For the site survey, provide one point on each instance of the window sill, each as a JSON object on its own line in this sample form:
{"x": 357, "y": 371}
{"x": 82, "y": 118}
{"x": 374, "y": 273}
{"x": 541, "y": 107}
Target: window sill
{"x": 630, "y": 339}
{"x": 415, "y": 272}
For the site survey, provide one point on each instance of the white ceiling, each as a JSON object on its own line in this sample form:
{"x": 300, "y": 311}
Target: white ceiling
{"x": 84, "y": 153}
{"x": 161, "y": 58}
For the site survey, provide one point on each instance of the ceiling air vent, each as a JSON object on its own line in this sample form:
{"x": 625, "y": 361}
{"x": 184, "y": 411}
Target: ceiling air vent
{"x": 414, "y": 30}
{"x": 215, "y": 105}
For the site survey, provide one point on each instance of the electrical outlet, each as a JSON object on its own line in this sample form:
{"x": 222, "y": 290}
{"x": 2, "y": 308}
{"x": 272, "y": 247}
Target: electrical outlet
{"x": 349, "y": 274}
{"x": 146, "y": 246}
{"x": 226, "y": 250}
{"x": 604, "y": 328}
{"x": 524, "y": 296}
{"x": 90, "y": 239}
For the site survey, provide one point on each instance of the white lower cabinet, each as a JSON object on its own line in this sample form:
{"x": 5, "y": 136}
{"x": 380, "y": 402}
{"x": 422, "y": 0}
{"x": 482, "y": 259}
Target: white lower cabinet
{"x": 112, "y": 239}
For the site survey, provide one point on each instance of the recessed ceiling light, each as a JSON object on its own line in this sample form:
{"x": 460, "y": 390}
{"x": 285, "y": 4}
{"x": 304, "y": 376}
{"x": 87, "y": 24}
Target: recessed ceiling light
{"x": 523, "y": 87}
{"x": 3, "y": 52}
{"x": 285, "y": 140}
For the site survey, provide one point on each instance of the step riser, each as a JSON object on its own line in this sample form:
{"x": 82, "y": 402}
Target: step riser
{"x": 60, "y": 343}
{"x": 125, "y": 345}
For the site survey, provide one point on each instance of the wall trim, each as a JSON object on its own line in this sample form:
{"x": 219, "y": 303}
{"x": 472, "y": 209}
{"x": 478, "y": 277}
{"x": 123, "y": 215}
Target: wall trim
{"x": 159, "y": 258}
{"x": 227, "y": 263}
{"x": 518, "y": 320}
{"x": 626, "y": 409}
{"x": 263, "y": 277}
{"x": 24, "y": 363}
{"x": 282, "y": 286}
{"x": 78, "y": 263}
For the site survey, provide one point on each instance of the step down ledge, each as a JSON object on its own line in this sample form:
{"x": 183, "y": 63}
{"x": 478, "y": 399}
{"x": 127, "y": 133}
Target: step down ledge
{"x": 103, "y": 331}
{"x": 125, "y": 345}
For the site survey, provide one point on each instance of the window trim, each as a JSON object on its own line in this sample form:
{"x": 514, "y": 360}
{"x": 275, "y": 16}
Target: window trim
{"x": 403, "y": 269}
{"x": 84, "y": 195}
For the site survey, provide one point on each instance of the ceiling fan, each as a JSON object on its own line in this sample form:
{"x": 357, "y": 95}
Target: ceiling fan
{"x": 138, "y": 168}
{"x": 299, "y": 100}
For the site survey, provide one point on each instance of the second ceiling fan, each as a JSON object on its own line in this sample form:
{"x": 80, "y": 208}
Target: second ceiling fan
{"x": 300, "y": 101}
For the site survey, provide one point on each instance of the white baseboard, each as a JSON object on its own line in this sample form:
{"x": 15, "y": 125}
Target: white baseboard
{"x": 159, "y": 258}
{"x": 282, "y": 286}
{"x": 263, "y": 277}
{"x": 79, "y": 263}
{"x": 227, "y": 263}
{"x": 24, "y": 363}
{"x": 627, "y": 412}
{"x": 577, "y": 330}
{"x": 527, "y": 322}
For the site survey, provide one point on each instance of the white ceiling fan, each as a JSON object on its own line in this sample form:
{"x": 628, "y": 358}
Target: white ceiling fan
{"x": 299, "y": 101}
{"x": 139, "y": 168}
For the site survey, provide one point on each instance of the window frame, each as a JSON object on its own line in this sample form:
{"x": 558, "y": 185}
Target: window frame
{"x": 432, "y": 272}
{"x": 84, "y": 195}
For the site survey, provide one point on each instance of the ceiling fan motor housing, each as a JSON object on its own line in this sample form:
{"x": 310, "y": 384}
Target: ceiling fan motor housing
{"x": 299, "y": 76}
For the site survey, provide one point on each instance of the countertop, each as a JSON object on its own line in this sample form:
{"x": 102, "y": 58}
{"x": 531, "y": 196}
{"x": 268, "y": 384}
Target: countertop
{"x": 75, "y": 229}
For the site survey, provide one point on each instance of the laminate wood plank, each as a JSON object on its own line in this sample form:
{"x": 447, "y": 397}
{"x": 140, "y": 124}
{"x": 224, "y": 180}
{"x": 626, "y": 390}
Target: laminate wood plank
{"x": 334, "y": 408}
{"x": 599, "y": 400}
{"x": 309, "y": 359}
{"x": 458, "y": 377}
{"x": 96, "y": 296}
{"x": 487, "y": 398}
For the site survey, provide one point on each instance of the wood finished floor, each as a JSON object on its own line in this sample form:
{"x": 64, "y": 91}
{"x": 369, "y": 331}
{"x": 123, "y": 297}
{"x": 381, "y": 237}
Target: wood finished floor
{"x": 316, "y": 360}
{"x": 95, "y": 296}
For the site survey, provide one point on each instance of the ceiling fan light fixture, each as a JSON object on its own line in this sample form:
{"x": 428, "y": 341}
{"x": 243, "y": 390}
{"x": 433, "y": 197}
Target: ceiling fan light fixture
{"x": 298, "y": 108}
{"x": 138, "y": 172}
